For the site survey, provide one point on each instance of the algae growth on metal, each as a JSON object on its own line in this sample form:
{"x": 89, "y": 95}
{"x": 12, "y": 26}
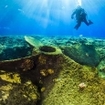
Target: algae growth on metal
{"x": 59, "y": 71}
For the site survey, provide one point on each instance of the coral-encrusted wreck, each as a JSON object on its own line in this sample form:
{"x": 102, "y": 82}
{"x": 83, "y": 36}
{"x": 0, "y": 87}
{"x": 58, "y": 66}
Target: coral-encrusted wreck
{"x": 48, "y": 77}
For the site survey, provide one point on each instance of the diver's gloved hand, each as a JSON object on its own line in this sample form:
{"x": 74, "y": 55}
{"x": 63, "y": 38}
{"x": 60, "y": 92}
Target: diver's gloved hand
{"x": 90, "y": 22}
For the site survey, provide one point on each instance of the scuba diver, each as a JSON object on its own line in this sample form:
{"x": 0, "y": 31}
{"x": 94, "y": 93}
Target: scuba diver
{"x": 80, "y": 16}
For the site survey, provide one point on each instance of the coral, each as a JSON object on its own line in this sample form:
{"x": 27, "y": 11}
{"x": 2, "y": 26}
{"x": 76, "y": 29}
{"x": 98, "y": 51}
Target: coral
{"x": 14, "y": 92}
{"x": 50, "y": 71}
{"x": 59, "y": 78}
{"x": 11, "y": 48}
{"x": 66, "y": 89}
{"x": 46, "y": 72}
{"x": 82, "y": 86}
{"x": 43, "y": 89}
{"x": 10, "y": 77}
{"x": 42, "y": 59}
{"x": 27, "y": 64}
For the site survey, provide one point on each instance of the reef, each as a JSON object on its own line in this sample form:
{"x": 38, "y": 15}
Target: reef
{"x": 52, "y": 75}
{"x": 10, "y": 48}
{"x": 83, "y": 54}
{"x": 15, "y": 92}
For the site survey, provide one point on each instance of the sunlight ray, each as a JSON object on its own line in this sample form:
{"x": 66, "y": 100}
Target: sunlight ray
{"x": 80, "y": 2}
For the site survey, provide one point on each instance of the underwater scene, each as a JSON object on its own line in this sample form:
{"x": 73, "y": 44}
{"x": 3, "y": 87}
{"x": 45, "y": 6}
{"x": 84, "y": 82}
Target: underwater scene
{"x": 52, "y": 52}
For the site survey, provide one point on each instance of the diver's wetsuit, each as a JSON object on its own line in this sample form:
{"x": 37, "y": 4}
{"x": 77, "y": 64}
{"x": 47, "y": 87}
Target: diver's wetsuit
{"x": 80, "y": 17}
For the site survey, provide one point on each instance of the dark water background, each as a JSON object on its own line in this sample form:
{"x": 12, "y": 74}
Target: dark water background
{"x": 50, "y": 17}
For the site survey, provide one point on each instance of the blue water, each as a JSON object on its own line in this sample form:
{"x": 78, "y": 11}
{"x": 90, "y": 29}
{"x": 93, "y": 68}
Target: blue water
{"x": 50, "y": 17}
